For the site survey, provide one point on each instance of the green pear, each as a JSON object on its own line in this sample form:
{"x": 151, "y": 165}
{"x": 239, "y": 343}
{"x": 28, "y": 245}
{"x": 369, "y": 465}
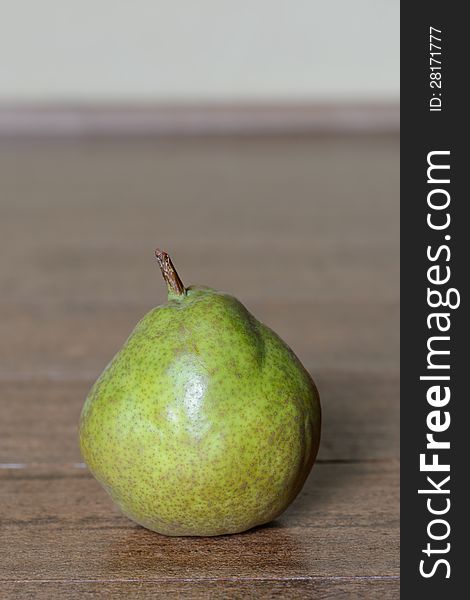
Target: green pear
{"x": 205, "y": 422}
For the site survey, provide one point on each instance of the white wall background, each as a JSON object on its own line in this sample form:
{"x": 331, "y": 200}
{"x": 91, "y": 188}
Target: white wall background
{"x": 201, "y": 50}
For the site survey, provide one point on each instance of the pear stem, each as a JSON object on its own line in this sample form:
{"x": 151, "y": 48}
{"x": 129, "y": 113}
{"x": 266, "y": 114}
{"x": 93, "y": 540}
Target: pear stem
{"x": 173, "y": 281}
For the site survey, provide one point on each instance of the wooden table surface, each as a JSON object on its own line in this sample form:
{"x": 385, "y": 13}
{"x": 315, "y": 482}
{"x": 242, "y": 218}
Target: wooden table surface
{"x": 305, "y": 232}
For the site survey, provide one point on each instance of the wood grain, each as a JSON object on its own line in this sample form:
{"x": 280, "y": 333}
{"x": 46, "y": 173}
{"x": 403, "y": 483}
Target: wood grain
{"x": 304, "y": 230}
{"x": 314, "y": 219}
{"x": 344, "y": 521}
{"x": 360, "y": 415}
{"x": 78, "y": 341}
{"x": 320, "y": 589}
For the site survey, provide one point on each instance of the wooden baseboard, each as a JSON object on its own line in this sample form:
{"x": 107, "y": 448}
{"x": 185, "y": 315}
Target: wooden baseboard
{"x": 159, "y": 120}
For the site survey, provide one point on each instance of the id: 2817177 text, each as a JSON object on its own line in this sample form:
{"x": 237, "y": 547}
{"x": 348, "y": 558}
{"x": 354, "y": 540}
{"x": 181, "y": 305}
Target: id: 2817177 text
{"x": 435, "y": 69}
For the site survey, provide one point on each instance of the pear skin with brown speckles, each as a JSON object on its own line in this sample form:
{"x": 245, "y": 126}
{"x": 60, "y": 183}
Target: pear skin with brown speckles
{"x": 205, "y": 422}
